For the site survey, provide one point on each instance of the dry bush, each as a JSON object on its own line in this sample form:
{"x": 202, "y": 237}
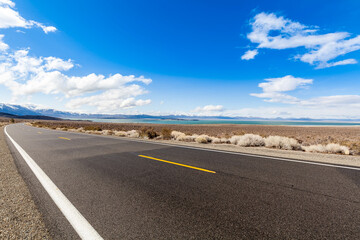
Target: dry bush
{"x": 176, "y": 134}
{"x": 282, "y": 143}
{"x": 329, "y": 148}
{"x": 107, "y": 132}
{"x": 166, "y": 133}
{"x": 148, "y": 133}
{"x": 247, "y": 140}
{"x": 92, "y": 128}
{"x": 132, "y": 134}
{"x": 314, "y": 148}
{"x": 250, "y": 140}
{"x": 2, "y": 124}
{"x": 180, "y": 136}
{"x": 234, "y": 139}
{"x": 203, "y": 139}
{"x": 337, "y": 148}
{"x": 120, "y": 133}
{"x": 216, "y": 140}
{"x": 186, "y": 138}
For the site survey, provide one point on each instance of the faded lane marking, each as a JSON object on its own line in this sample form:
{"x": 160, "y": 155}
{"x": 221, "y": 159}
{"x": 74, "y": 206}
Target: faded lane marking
{"x": 65, "y": 138}
{"x": 179, "y": 164}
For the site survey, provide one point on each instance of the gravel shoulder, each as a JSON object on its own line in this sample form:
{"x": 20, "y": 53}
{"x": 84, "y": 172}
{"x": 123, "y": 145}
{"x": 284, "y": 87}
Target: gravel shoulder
{"x": 20, "y": 218}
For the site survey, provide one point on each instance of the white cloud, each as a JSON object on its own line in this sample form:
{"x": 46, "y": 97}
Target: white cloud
{"x": 10, "y": 18}
{"x": 112, "y": 100}
{"x": 46, "y": 29}
{"x": 53, "y": 63}
{"x": 342, "y": 62}
{"x": 250, "y": 54}
{"x": 336, "y": 101}
{"x": 3, "y": 46}
{"x": 276, "y": 32}
{"x": 7, "y": 3}
{"x": 210, "y": 108}
{"x": 337, "y": 106}
{"x": 274, "y": 88}
{"x": 25, "y": 75}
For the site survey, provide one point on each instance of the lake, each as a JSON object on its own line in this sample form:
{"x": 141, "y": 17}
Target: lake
{"x": 250, "y": 122}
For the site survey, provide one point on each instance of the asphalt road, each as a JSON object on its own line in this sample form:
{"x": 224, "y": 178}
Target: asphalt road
{"x": 126, "y": 196}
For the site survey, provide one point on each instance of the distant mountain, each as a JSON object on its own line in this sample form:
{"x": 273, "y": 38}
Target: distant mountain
{"x": 28, "y": 116}
{"x": 17, "y": 109}
{"x": 7, "y": 115}
{"x": 23, "y": 112}
{"x": 31, "y": 110}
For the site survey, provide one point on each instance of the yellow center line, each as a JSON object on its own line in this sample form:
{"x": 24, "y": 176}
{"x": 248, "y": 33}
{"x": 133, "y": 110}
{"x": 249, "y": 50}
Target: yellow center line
{"x": 65, "y": 138}
{"x": 179, "y": 164}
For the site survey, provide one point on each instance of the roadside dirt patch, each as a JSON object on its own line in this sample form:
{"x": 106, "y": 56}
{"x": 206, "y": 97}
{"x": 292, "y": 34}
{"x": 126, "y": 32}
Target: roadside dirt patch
{"x": 20, "y": 218}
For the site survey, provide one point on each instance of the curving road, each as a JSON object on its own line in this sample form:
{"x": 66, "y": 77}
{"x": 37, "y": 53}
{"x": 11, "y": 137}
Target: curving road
{"x": 128, "y": 189}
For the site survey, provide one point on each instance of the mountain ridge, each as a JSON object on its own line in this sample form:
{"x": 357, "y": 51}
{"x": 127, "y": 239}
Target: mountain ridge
{"x": 32, "y": 110}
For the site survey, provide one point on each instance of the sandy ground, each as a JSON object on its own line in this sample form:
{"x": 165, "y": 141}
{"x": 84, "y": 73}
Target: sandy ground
{"x": 20, "y": 218}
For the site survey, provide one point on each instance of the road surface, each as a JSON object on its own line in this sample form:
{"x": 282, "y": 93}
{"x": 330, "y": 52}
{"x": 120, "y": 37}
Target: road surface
{"x": 131, "y": 189}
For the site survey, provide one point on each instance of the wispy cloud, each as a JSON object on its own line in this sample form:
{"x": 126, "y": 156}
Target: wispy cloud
{"x": 3, "y": 46}
{"x": 10, "y": 18}
{"x": 274, "y": 88}
{"x": 276, "y": 32}
{"x": 250, "y": 54}
{"x": 336, "y": 101}
{"x": 209, "y": 108}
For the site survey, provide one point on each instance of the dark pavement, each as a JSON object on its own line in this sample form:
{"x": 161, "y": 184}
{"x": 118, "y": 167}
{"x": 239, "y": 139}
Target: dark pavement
{"x": 124, "y": 196}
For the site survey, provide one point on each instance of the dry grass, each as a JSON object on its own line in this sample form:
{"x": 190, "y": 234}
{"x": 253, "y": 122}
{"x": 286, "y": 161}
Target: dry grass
{"x": 282, "y": 143}
{"x": 166, "y": 133}
{"x": 90, "y": 128}
{"x": 148, "y": 132}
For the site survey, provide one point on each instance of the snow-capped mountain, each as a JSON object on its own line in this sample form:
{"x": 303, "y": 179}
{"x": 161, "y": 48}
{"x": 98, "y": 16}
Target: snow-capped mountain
{"x": 17, "y": 109}
{"x": 28, "y": 109}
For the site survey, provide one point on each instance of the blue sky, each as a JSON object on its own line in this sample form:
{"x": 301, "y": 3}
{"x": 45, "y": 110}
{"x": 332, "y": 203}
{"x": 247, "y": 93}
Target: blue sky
{"x": 183, "y": 57}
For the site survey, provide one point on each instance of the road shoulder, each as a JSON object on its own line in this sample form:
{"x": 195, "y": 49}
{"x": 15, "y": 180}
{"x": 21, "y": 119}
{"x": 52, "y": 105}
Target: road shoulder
{"x": 20, "y": 218}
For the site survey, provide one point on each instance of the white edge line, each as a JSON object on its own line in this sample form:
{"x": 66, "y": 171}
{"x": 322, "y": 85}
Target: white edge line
{"x": 77, "y": 221}
{"x": 219, "y": 151}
